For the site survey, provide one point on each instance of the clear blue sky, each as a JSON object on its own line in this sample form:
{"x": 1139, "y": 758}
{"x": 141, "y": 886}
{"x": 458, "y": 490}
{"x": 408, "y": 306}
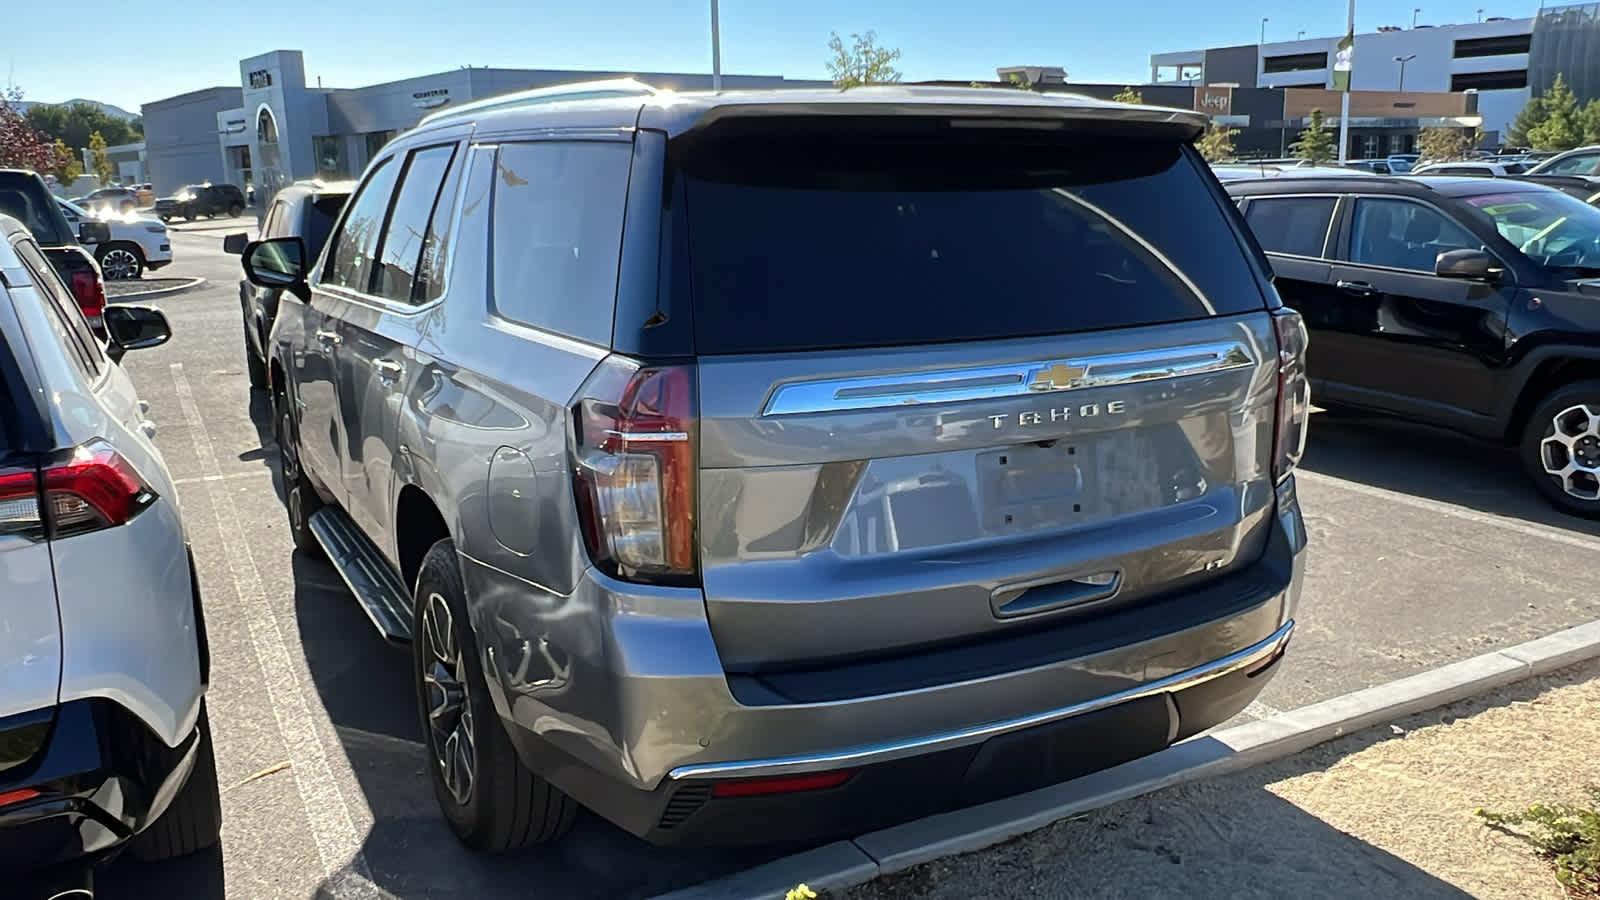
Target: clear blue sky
{"x": 128, "y": 54}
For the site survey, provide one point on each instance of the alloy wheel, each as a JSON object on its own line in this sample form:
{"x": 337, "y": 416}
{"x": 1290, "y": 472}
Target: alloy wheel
{"x": 1570, "y": 451}
{"x": 119, "y": 264}
{"x": 444, "y": 679}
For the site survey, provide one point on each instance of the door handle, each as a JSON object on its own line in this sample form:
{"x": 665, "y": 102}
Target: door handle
{"x": 1359, "y": 288}
{"x": 329, "y": 337}
{"x": 388, "y": 370}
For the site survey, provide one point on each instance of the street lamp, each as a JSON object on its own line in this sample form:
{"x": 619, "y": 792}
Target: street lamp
{"x": 716, "y": 50}
{"x": 1264, "y": 21}
{"x": 1414, "y": 14}
{"x": 1480, "y": 14}
{"x": 1402, "y": 60}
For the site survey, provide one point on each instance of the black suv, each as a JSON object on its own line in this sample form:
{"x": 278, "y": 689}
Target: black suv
{"x": 1469, "y": 303}
{"x": 305, "y": 210}
{"x": 198, "y": 200}
{"x": 25, "y": 197}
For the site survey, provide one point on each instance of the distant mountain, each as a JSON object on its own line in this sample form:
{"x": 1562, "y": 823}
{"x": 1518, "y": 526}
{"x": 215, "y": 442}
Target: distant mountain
{"x": 108, "y": 109}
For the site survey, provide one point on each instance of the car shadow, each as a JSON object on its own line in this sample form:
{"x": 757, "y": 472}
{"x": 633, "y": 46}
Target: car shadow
{"x": 1431, "y": 463}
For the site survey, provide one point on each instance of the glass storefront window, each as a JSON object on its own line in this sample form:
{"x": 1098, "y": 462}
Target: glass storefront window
{"x": 375, "y": 142}
{"x": 330, "y": 156}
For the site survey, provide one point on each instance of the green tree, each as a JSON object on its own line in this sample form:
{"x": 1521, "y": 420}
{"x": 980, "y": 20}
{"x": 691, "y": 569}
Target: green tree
{"x": 1216, "y": 144}
{"x": 863, "y": 62}
{"x": 73, "y": 124}
{"x": 67, "y": 168}
{"x": 1531, "y": 117}
{"x": 1315, "y": 144}
{"x": 1562, "y": 128}
{"x": 1128, "y": 95}
{"x": 1441, "y": 144}
{"x": 1590, "y": 117}
{"x": 97, "y": 158}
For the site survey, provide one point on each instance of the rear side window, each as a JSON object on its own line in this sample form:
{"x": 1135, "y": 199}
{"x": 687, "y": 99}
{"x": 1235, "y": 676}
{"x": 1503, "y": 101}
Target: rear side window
{"x": 407, "y": 231}
{"x": 557, "y": 234}
{"x": 66, "y": 319}
{"x": 24, "y": 198}
{"x": 350, "y": 263}
{"x": 833, "y": 243}
{"x": 1293, "y": 225}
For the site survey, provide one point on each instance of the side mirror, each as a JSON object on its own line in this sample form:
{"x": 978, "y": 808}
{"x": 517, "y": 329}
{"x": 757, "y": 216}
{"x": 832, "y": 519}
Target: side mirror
{"x": 1470, "y": 264}
{"x": 235, "y": 243}
{"x": 93, "y": 233}
{"x": 132, "y": 327}
{"x": 276, "y": 263}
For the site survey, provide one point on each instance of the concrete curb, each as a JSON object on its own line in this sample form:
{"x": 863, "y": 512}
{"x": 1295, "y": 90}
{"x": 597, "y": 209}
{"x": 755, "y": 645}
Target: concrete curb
{"x": 847, "y": 863}
{"x": 158, "y": 292}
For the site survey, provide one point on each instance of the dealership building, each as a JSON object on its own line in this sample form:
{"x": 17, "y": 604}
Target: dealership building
{"x": 1503, "y": 61}
{"x": 273, "y": 127}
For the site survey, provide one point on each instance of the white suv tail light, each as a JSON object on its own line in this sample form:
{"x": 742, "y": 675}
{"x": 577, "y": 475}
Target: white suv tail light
{"x": 1294, "y": 393}
{"x": 90, "y": 489}
{"x": 634, "y": 470}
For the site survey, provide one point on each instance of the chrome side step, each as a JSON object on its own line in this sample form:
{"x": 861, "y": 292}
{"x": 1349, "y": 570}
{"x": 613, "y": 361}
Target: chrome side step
{"x": 377, "y": 586}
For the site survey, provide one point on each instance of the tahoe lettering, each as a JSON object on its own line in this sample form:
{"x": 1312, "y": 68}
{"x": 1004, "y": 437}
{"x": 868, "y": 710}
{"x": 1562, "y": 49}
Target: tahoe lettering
{"x": 1064, "y": 413}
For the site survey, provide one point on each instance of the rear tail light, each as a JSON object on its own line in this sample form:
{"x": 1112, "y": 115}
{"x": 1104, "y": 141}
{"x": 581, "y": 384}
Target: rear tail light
{"x": 1294, "y": 393}
{"x": 90, "y": 292}
{"x": 91, "y": 489}
{"x": 788, "y": 784}
{"x": 634, "y": 470}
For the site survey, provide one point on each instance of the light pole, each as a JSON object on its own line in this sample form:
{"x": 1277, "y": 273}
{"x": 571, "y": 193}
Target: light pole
{"x": 1299, "y": 35}
{"x": 1264, "y": 21}
{"x": 1480, "y": 14}
{"x": 1344, "y": 98}
{"x": 1414, "y": 14}
{"x": 1402, "y": 60}
{"x": 716, "y": 50}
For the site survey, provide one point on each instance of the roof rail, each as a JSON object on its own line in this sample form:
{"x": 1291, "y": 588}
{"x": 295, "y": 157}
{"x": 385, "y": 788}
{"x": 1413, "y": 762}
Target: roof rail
{"x": 581, "y": 90}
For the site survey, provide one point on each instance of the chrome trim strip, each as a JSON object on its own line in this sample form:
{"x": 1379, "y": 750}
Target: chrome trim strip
{"x": 863, "y": 756}
{"x": 996, "y": 382}
{"x": 649, "y": 435}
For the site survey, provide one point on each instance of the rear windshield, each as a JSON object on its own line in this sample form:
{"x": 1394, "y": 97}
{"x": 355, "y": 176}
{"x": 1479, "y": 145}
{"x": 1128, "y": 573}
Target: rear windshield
{"x": 818, "y": 244}
{"x": 319, "y": 221}
{"x": 24, "y": 198}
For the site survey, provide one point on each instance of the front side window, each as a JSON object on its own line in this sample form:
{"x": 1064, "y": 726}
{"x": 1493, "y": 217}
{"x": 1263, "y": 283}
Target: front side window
{"x": 350, "y": 260}
{"x": 1554, "y": 229}
{"x": 407, "y": 231}
{"x": 1293, "y": 225}
{"x": 1400, "y": 234}
{"x": 1579, "y": 164}
{"x": 557, "y": 234}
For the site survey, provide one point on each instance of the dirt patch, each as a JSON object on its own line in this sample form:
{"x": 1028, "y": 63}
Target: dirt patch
{"x": 1387, "y": 812}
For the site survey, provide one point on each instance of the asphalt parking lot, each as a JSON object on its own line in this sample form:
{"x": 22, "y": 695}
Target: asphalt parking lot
{"x": 1426, "y": 549}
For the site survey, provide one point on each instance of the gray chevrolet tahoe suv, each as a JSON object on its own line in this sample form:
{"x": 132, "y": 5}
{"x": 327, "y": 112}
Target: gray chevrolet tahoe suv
{"x": 759, "y": 466}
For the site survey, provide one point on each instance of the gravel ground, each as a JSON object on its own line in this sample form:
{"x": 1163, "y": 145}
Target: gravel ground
{"x": 1384, "y": 813}
{"x": 141, "y": 285}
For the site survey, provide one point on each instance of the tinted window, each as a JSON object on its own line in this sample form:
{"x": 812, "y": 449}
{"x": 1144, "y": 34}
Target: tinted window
{"x": 276, "y": 224}
{"x": 66, "y": 319}
{"x": 407, "y": 230}
{"x": 24, "y": 198}
{"x": 436, "y": 249}
{"x": 557, "y": 235}
{"x": 1297, "y": 225}
{"x": 350, "y": 261}
{"x": 1582, "y": 164}
{"x": 319, "y": 216}
{"x": 819, "y": 243}
{"x": 1404, "y": 235}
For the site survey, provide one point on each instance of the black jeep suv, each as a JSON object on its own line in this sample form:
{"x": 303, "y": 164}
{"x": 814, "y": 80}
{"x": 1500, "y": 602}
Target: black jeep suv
{"x": 198, "y": 200}
{"x": 1469, "y": 303}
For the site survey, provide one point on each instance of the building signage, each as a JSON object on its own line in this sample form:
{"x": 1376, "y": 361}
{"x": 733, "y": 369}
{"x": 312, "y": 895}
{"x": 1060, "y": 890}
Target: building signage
{"x": 1218, "y": 101}
{"x": 430, "y": 98}
{"x": 260, "y": 78}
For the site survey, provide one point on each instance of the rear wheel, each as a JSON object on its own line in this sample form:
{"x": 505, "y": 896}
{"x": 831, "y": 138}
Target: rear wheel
{"x": 189, "y": 214}
{"x": 235, "y": 210}
{"x": 492, "y": 802}
{"x": 194, "y": 820}
{"x": 121, "y": 261}
{"x": 1561, "y": 448}
{"x": 300, "y": 498}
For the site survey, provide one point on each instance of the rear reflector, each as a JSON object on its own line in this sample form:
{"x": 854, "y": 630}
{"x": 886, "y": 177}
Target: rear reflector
{"x": 759, "y": 787}
{"x": 11, "y": 798}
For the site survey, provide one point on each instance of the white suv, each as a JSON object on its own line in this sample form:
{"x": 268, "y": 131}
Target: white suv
{"x": 137, "y": 242}
{"x": 104, "y": 664}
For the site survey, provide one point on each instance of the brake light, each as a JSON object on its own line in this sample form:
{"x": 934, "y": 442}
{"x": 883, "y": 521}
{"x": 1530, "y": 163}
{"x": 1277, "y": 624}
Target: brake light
{"x": 12, "y": 798}
{"x": 634, "y": 469}
{"x": 1294, "y": 393}
{"x": 91, "y": 489}
{"x": 90, "y": 292}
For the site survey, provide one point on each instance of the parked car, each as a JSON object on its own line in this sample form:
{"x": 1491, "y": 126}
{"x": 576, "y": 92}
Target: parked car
{"x": 134, "y": 244}
{"x": 145, "y": 193}
{"x": 1375, "y": 166}
{"x": 103, "y": 655}
{"x": 198, "y": 200}
{"x": 1580, "y": 161}
{"x": 1401, "y": 163}
{"x": 305, "y": 209}
{"x": 1472, "y": 304}
{"x": 1241, "y": 171}
{"x": 733, "y": 531}
{"x": 1479, "y": 168}
{"x": 112, "y": 199}
{"x": 1581, "y": 186}
{"x": 25, "y": 197}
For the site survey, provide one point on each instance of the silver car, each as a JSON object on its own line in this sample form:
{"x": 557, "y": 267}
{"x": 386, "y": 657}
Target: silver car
{"x": 104, "y": 739}
{"x": 772, "y": 465}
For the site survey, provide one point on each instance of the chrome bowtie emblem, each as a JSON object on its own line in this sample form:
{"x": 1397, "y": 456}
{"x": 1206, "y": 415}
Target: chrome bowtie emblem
{"x": 1058, "y": 377}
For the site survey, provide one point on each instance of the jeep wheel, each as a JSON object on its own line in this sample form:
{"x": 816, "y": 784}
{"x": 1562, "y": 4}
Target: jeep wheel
{"x": 166, "y": 217}
{"x": 300, "y": 497}
{"x": 121, "y": 261}
{"x": 189, "y": 214}
{"x": 492, "y": 802}
{"x": 235, "y": 211}
{"x": 1561, "y": 448}
{"x": 193, "y": 821}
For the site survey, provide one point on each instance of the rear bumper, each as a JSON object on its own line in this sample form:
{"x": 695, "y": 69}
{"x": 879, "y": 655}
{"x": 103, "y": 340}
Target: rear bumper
{"x": 624, "y": 704}
{"x": 101, "y": 777}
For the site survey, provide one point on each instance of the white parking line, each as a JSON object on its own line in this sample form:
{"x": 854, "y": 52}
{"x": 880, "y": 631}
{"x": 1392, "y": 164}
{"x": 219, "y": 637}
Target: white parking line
{"x": 332, "y": 828}
{"x": 1449, "y": 509}
{"x": 228, "y": 477}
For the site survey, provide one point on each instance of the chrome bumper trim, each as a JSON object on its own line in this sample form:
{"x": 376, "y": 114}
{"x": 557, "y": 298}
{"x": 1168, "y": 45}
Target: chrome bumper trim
{"x": 886, "y": 752}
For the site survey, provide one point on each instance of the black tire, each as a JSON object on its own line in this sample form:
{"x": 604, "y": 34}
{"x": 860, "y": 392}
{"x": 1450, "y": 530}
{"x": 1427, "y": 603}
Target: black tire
{"x": 255, "y": 365}
{"x": 505, "y": 806}
{"x": 189, "y": 214}
{"x": 1541, "y": 424}
{"x": 300, "y": 497}
{"x": 194, "y": 820}
{"x": 127, "y": 260}
{"x": 166, "y": 217}
{"x": 235, "y": 211}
